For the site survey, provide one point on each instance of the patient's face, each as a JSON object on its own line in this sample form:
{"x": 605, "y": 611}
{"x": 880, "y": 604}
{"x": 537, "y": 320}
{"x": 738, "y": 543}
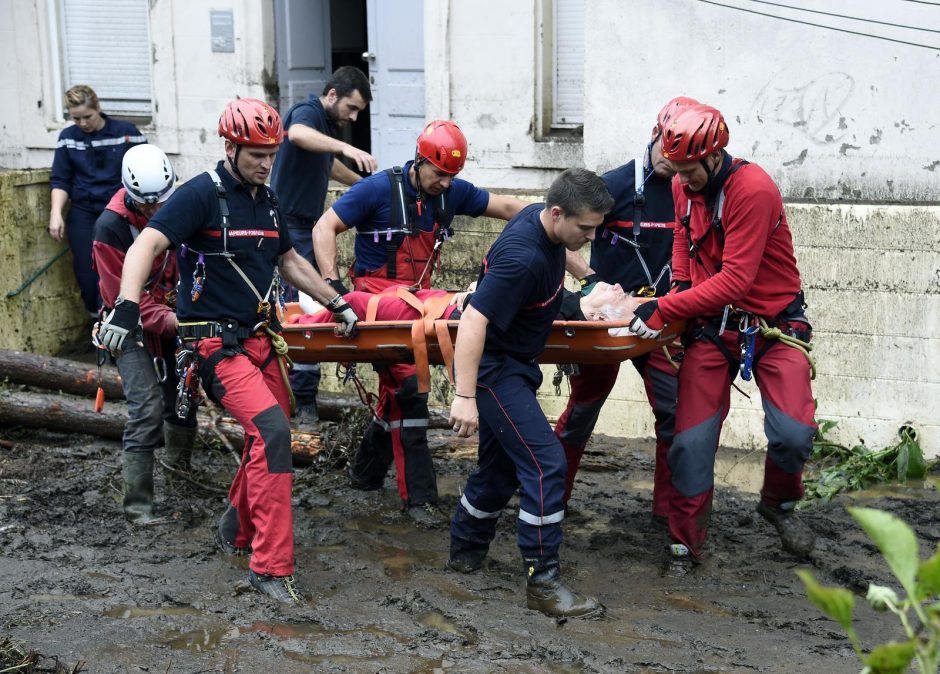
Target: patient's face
{"x": 602, "y": 295}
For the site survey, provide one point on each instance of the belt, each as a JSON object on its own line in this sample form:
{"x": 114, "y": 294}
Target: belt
{"x": 209, "y": 329}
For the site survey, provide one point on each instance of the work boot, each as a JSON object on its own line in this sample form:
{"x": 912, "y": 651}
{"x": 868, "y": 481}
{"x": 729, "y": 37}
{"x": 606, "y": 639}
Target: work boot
{"x": 226, "y": 533}
{"x": 178, "y": 445}
{"x": 426, "y": 515}
{"x": 795, "y": 535}
{"x": 137, "y": 471}
{"x": 362, "y": 485}
{"x": 281, "y": 588}
{"x": 546, "y": 593}
{"x": 305, "y": 417}
{"x": 680, "y": 561}
{"x": 465, "y": 557}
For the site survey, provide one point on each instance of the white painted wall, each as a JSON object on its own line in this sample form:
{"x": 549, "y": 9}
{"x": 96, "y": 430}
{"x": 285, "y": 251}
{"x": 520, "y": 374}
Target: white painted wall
{"x": 191, "y": 83}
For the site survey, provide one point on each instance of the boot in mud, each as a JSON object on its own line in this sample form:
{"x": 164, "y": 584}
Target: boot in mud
{"x": 179, "y": 441}
{"x": 280, "y": 588}
{"x": 679, "y": 561}
{"x": 137, "y": 472}
{"x": 546, "y": 593}
{"x": 795, "y": 535}
{"x": 465, "y": 557}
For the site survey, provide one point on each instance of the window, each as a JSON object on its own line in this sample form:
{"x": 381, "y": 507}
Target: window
{"x": 106, "y": 45}
{"x": 560, "y": 69}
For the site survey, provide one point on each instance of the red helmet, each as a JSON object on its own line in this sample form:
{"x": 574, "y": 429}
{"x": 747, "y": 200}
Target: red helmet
{"x": 248, "y": 121}
{"x": 670, "y": 110}
{"x": 694, "y": 133}
{"x": 443, "y": 144}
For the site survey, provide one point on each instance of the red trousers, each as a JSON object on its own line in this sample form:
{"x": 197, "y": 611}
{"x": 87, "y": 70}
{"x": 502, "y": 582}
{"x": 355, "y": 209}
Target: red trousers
{"x": 248, "y": 383}
{"x": 782, "y": 375}
{"x": 589, "y": 390}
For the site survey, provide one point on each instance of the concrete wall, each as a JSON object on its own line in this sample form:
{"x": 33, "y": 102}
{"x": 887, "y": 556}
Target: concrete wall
{"x": 48, "y": 313}
{"x": 191, "y": 83}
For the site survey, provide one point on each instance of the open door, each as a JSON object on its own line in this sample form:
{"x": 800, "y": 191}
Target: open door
{"x": 396, "y": 71}
{"x": 302, "y": 49}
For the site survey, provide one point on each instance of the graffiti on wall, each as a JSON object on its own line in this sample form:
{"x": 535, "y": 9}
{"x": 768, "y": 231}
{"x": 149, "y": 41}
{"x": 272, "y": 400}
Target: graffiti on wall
{"x": 815, "y": 108}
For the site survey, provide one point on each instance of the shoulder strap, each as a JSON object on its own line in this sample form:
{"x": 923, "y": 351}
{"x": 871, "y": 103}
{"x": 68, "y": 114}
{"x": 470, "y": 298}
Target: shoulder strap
{"x": 223, "y": 206}
{"x": 639, "y": 199}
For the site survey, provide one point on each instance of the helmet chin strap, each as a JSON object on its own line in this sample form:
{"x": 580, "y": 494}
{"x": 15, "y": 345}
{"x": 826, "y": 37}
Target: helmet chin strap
{"x": 419, "y": 160}
{"x": 233, "y": 162}
{"x": 711, "y": 173}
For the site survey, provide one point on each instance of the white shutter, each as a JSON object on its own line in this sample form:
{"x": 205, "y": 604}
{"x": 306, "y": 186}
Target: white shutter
{"x": 568, "y": 80}
{"x": 107, "y": 46}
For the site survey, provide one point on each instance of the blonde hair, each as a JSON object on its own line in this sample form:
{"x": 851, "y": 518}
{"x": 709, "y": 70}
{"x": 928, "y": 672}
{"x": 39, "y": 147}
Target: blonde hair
{"x": 82, "y": 94}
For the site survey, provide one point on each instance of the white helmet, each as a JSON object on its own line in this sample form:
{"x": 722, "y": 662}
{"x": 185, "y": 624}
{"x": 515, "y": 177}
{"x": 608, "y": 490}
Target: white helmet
{"x": 147, "y": 174}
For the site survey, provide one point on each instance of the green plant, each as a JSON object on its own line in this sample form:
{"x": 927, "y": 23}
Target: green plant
{"x": 918, "y": 611}
{"x": 834, "y": 468}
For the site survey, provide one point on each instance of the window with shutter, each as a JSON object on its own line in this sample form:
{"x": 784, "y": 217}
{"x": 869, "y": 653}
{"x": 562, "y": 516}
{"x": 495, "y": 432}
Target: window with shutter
{"x": 106, "y": 45}
{"x": 568, "y": 76}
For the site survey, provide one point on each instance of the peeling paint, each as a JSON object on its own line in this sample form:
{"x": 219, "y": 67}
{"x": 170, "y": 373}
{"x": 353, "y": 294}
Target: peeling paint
{"x": 876, "y": 138}
{"x": 799, "y": 160}
{"x": 846, "y": 147}
{"x": 842, "y": 124}
{"x": 932, "y": 166}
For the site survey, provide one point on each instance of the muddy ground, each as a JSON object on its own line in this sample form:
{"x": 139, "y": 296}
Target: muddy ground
{"x": 79, "y": 584}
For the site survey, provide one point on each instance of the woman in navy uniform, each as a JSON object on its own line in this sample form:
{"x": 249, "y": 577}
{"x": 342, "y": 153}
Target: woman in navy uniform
{"x": 86, "y": 171}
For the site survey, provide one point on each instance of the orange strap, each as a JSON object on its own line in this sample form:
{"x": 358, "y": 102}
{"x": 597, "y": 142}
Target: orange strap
{"x": 446, "y": 346}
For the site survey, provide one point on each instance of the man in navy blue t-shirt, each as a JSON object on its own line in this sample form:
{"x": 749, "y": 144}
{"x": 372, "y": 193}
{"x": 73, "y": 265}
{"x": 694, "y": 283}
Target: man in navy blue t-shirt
{"x": 502, "y": 331}
{"x": 306, "y": 162}
{"x": 402, "y": 217}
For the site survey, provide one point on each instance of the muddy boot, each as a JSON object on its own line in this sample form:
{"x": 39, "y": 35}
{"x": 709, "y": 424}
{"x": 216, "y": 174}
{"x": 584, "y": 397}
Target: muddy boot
{"x": 426, "y": 515}
{"x": 281, "y": 588}
{"x": 179, "y": 441}
{"x": 227, "y": 532}
{"x": 465, "y": 557}
{"x": 679, "y": 561}
{"x": 546, "y": 593}
{"x": 137, "y": 471}
{"x": 795, "y": 535}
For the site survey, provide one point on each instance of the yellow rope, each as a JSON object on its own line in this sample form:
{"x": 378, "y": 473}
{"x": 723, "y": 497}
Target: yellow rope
{"x": 768, "y": 332}
{"x": 284, "y": 363}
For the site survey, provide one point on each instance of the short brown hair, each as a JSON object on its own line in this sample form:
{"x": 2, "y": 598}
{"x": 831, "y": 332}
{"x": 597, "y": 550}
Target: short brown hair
{"x": 82, "y": 94}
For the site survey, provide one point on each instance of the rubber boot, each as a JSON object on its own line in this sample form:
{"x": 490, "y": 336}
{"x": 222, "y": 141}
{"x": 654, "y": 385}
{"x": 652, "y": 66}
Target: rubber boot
{"x": 137, "y": 471}
{"x": 546, "y": 593}
{"x": 178, "y": 444}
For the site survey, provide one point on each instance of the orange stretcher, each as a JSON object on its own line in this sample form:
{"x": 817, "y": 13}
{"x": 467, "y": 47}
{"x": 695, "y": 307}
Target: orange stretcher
{"x": 430, "y": 341}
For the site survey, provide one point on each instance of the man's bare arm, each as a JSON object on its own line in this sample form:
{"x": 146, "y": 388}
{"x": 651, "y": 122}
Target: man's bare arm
{"x": 328, "y": 227}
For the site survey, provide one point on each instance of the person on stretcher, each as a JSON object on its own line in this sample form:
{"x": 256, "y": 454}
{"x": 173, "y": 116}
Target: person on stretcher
{"x": 606, "y": 303}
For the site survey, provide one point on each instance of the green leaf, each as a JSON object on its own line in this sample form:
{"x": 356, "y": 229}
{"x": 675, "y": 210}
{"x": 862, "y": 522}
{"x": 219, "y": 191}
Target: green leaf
{"x": 917, "y": 465}
{"x": 896, "y": 541}
{"x": 881, "y": 598}
{"x": 891, "y": 658}
{"x": 928, "y": 577}
{"x": 902, "y": 462}
{"x": 835, "y": 602}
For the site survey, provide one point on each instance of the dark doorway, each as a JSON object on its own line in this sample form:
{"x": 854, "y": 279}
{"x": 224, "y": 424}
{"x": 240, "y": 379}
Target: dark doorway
{"x": 349, "y": 39}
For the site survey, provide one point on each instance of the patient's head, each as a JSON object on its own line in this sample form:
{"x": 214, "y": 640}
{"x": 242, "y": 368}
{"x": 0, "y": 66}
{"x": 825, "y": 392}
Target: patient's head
{"x": 608, "y": 303}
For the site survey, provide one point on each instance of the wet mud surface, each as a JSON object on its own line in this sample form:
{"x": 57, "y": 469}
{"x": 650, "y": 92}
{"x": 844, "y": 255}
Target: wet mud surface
{"x": 79, "y": 584}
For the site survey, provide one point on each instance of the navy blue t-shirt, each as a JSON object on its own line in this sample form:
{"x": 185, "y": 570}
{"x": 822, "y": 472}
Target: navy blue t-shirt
{"x": 88, "y": 165}
{"x": 615, "y": 260}
{"x": 192, "y": 217}
{"x": 366, "y": 207}
{"x": 300, "y": 177}
{"x": 520, "y": 289}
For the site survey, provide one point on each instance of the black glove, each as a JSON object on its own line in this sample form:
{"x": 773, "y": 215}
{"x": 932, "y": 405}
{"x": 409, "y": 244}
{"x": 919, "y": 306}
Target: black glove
{"x": 647, "y": 322}
{"x": 123, "y": 320}
{"x": 337, "y": 285}
{"x": 680, "y": 287}
{"x": 588, "y": 283}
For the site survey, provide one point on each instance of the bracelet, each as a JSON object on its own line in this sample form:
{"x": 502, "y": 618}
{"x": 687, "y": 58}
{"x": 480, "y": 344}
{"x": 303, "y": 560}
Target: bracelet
{"x": 335, "y": 302}
{"x": 467, "y": 397}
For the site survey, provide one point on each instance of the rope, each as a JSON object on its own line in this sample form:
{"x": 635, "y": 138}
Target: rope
{"x": 284, "y": 363}
{"x": 39, "y": 272}
{"x": 768, "y": 332}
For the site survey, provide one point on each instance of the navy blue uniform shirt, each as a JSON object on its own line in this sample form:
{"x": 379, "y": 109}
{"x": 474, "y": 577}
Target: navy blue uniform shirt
{"x": 519, "y": 290}
{"x": 192, "y": 217}
{"x": 88, "y": 165}
{"x": 615, "y": 260}
{"x": 367, "y": 207}
{"x": 300, "y": 177}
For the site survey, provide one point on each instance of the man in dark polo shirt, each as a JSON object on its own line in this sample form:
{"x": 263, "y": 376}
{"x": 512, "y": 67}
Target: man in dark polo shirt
{"x": 231, "y": 252}
{"x": 307, "y": 160}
